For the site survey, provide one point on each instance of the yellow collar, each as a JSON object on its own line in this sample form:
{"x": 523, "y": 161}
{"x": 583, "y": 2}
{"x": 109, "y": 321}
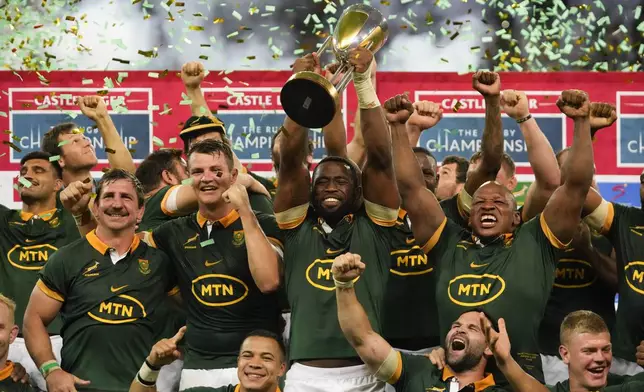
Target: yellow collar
{"x": 238, "y": 388}
{"x": 102, "y": 247}
{"x": 225, "y": 221}
{"x": 479, "y": 385}
{"x": 45, "y": 215}
{"x": 6, "y": 372}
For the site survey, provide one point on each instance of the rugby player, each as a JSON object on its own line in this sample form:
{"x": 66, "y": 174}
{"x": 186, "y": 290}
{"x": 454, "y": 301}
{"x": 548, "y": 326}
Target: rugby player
{"x": 260, "y": 364}
{"x": 452, "y": 175}
{"x": 30, "y": 236}
{"x": 10, "y": 380}
{"x": 228, "y": 286}
{"x": 491, "y": 267}
{"x": 585, "y": 279}
{"x": 469, "y": 344}
{"x": 332, "y": 218}
{"x": 106, "y": 287}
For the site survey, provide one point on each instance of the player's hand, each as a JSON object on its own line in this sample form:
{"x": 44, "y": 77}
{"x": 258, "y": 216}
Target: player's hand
{"x": 360, "y": 58}
{"x": 574, "y": 104}
{"x": 437, "y": 356}
{"x": 61, "y": 381}
{"x": 398, "y": 109}
{"x": 192, "y": 74}
{"x": 499, "y": 342}
{"x": 309, "y": 62}
{"x": 487, "y": 83}
{"x": 92, "y": 106}
{"x": 639, "y": 354}
{"x": 19, "y": 373}
{"x": 75, "y": 197}
{"x": 347, "y": 267}
{"x": 602, "y": 115}
{"x": 166, "y": 351}
{"x": 237, "y": 196}
{"x": 515, "y": 104}
{"x": 251, "y": 184}
{"x": 426, "y": 114}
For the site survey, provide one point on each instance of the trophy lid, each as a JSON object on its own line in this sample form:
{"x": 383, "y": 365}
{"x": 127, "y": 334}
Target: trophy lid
{"x": 359, "y": 25}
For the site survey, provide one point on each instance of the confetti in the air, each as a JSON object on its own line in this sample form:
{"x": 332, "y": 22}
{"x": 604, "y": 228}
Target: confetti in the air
{"x": 110, "y": 151}
{"x": 207, "y": 242}
{"x": 54, "y": 158}
{"x": 25, "y": 182}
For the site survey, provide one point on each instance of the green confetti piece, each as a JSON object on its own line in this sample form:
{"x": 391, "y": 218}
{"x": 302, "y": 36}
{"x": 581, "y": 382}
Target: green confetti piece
{"x": 87, "y": 81}
{"x": 108, "y": 83}
{"x": 25, "y": 182}
{"x": 254, "y": 155}
{"x": 237, "y": 15}
{"x": 298, "y": 52}
{"x": 63, "y": 143}
{"x": 172, "y": 140}
{"x": 157, "y": 141}
{"x": 41, "y": 107}
{"x": 187, "y": 181}
{"x": 3, "y": 114}
{"x": 186, "y": 102}
{"x": 638, "y": 12}
{"x": 154, "y": 75}
{"x": 16, "y": 187}
{"x": 270, "y": 8}
{"x": 207, "y": 242}
{"x": 54, "y": 158}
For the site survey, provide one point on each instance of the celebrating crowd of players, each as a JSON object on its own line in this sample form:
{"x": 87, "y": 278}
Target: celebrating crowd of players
{"x": 379, "y": 270}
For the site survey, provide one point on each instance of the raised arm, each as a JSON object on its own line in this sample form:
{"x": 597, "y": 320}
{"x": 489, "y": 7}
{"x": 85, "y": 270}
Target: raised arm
{"x": 604, "y": 264}
{"x": 425, "y": 214}
{"x": 540, "y": 154}
{"x": 335, "y": 133}
{"x": 163, "y": 353}
{"x": 378, "y": 171}
{"x": 356, "y": 149}
{"x": 76, "y": 197}
{"x": 192, "y": 74}
{"x": 425, "y": 116}
{"x": 118, "y": 155}
{"x": 563, "y": 211}
{"x": 374, "y": 351}
{"x": 489, "y": 85}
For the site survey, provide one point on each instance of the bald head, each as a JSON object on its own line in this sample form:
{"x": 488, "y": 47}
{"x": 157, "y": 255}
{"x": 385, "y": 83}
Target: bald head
{"x": 493, "y": 186}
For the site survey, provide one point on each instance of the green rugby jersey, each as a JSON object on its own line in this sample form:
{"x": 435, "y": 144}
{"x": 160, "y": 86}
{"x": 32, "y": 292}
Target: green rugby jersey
{"x": 417, "y": 373}
{"x": 309, "y": 250}
{"x": 109, "y": 310}
{"x": 222, "y": 301}
{"x": 410, "y": 317}
{"x": 629, "y": 386}
{"x": 269, "y": 183}
{"x": 229, "y": 388}
{"x": 576, "y": 287}
{"x": 624, "y": 227}
{"x": 7, "y": 384}
{"x": 26, "y": 245}
{"x": 156, "y": 213}
{"x": 509, "y": 278}
{"x": 454, "y": 210}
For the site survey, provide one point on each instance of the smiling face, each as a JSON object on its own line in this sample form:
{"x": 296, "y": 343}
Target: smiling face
{"x": 588, "y": 356}
{"x": 8, "y": 328}
{"x": 117, "y": 206}
{"x": 260, "y": 364}
{"x": 493, "y": 211}
{"x": 465, "y": 344}
{"x": 334, "y": 193}
{"x": 43, "y": 178}
{"x": 211, "y": 177}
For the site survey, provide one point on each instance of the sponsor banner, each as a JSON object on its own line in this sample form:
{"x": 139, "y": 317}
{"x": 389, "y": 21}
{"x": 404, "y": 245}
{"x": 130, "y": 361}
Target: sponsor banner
{"x": 627, "y": 193}
{"x": 630, "y": 129}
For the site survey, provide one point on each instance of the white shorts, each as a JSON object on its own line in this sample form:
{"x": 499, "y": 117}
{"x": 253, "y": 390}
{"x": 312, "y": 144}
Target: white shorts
{"x": 213, "y": 378}
{"x": 622, "y": 367}
{"x": 554, "y": 369}
{"x": 18, "y": 353}
{"x": 169, "y": 377}
{"x": 301, "y": 378}
{"x": 423, "y": 351}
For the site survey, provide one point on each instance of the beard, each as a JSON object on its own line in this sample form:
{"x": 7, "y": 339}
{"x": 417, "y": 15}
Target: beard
{"x": 467, "y": 362}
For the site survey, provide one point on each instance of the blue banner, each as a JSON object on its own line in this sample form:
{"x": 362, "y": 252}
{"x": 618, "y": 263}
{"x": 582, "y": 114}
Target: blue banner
{"x": 622, "y": 193}
{"x": 631, "y": 141}
{"x": 462, "y": 136}
{"x": 133, "y": 128}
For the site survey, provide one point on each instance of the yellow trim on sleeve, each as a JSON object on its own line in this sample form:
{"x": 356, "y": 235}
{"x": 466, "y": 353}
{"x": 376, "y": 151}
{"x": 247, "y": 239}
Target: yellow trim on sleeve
{"x": 174, "y": 291}
{"x": 164, "y": 202}
{"x": 291, "y": 218}
{"x": 49, "y": 292}
{"x": 276, "y": 242}
{"x": 554, "y": 241}
{"x": 429, "y": 245}
{"x": 608, "y": 222}
{"x": 464, "y": 203}
{"x": 381, "y": 215}
{"x": 398, "y": 372}
{"x": 6, "y": 372}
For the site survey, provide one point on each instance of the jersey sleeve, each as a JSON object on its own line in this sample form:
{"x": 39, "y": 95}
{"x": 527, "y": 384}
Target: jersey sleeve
{"x": 457, "y": 208}
{"x": 168, "y": 201}
{"x": 53, "y": 278}
{"x": 408, "y": 366}
{"x": 539, "y": 234}
{"x": 269, "y": 226}
{"x": 381, "y": 215}
{"x": 260, "y": 202}
{"x": 292, "y": 218}
{"x": 447, "y": 234}
{"x": 161, "y": 236}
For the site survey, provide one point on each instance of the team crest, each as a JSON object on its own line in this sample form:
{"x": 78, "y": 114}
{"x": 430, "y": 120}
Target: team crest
{"x": 54, "y": 222}
{"x": 238, "y": 237}
{"x": 144, "y": 266}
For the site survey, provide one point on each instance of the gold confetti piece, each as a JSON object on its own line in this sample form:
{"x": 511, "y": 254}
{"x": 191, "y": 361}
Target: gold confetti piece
{"x": 196, "y": 28}
{"x": 457, "y": 106}
{"x": 203, "y": 57}
{"x": 13, "y": 146}
{"x": 38, "y": 26}
{"x": 105, "y": 169}
{"x": 7, "y": 131}
{"x": 110, "y": 151}
{"x": 148, "y": 53}
{"x": 54, "y": 158}
{"x": 25, "y": 182}
{"x": 102, "y": 93}
{"x": 454, "y": 36}
{"x": 218, "y": 20}
{"x": 70, "y": 18}
{"x": 63, "y": 143}
{"x": 16, "y": 138}
{"x": 132, "y": 151}
{"x": 444, "y": 60}
{"x": 134, "y": 141}
{"x": 120, "y": 61}
{"x": 237, "y": 15}
{"x": 179, "y": 4}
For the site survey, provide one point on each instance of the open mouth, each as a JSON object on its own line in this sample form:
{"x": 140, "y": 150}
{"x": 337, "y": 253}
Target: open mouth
{"x": 116, "y": 214}
{"x": 330, "y": 202}
{"x": 254, "y": 376}
{"x": 208, "y": 188}
{"x": 597, "y": 371}
{"x": 458, "y": 344}
{"x": 488, "y": 220}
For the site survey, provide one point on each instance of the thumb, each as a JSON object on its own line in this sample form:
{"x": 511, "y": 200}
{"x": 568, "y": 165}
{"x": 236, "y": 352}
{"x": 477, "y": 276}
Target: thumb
{"x": 179, "y": 335}
{"x": 78, "y": 381}
{"x": 86, "y": 187}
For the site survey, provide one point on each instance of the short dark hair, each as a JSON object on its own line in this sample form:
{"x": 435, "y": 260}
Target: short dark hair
{"x": 309, "y": 144}
{"x": 212, "y": 147}
{"x": 150, "y": 170}
{"x": 114, "y": 175}
{"x": 50, "y": 140}
{"x": 505, "y": 160}
{"x": 423, "y": 150}
{"x": 462, "y": 165}
{"x": 45, "y": 157}
{"x": 262, "y": 333}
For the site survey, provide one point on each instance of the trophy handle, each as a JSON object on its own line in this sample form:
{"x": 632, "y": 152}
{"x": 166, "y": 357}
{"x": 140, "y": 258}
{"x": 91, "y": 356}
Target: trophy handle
{"x": 325, "y": 45}
{"x": 345, "y": 79}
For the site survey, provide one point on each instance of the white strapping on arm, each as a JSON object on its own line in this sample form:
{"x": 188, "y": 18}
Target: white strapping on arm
{"x": 366, "y": 92}
{"x": 597, "y": 219}
{"x": 389, "y": 366}
{"x": 171, "y": 201}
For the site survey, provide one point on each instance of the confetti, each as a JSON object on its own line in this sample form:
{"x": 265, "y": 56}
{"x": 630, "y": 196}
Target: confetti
{"x": 110, "y": 151}
{"x": 154, "y": 75}
{"x": 157, "y": 142}
{"x": 25, "y": 182}
{"x": 207, "y": 242}
{"x": 54, "y": 158}
{"x": 200, "y": 28}
{"x": 457, "y": 106}
{"x": 63, "y": 143}
{"x": 13, "y": 146}
{"x": 172, "y": 140}
{"x": 254, "y": 155}
{"x": 187, "y": 181}
{"x": 120, "y": 61}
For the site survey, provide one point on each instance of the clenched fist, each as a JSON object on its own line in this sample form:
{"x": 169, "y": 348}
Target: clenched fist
{"x": 361, "y": 59}
{"x": 574, "y": 103}
{"x": 192, "y": 74}
{"x": 515, "y": 104}
{"x": 309, "y": 62}
{"x": 602, "y": 115}
{"x": 238, "y": 197}
{"x": 347, "y": 267}
{"x": 487, "y": 83}
{"x": 426, "y": 114}
{"x": 398, "y": 109}
{"x": 92, "y": 106}
{"x": 166, "y": 351}
{"x": 76, "y": 196}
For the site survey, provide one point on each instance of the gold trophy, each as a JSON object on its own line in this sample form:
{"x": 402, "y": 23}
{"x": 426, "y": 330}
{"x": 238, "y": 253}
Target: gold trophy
{"x": 310, "y": 99}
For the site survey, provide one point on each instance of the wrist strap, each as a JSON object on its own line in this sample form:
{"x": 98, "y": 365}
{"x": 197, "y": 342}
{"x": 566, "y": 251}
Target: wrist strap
{"x": 148, "y": 374}
{"x": 48, "y": 367}
{"x": 343, "y": 285}
{"x": 524, "y": 119}
{"x": 79, "y": 218}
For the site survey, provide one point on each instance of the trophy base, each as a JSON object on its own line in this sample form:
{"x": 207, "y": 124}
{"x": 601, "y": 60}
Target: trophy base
{"x": 309, "y": 99}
